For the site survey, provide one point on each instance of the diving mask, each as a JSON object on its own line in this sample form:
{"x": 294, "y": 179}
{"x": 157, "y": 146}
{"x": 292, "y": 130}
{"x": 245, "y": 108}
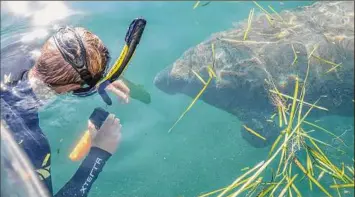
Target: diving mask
{"x": 66, "y": 38}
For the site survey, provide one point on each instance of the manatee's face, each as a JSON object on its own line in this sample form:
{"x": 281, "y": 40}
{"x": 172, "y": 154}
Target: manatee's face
{"x": 238, "y": 88}
{"x": 168, "y": 83}
{"x": 176, "y": 77}
{"x": 236, "y": 68}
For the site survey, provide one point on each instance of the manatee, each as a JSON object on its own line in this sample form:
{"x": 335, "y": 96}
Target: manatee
{"x": 247, "y": 69}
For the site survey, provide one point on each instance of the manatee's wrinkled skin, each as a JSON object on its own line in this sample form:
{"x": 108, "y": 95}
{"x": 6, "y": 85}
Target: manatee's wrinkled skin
{"x": 244, "y": 69}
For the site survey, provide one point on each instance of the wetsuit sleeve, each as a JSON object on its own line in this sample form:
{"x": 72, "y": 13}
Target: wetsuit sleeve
{"x": 79, "y": 185}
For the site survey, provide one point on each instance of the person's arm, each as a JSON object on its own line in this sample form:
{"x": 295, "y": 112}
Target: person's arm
{"x": 85, "y": 176}
{"x": 104, "y": 145}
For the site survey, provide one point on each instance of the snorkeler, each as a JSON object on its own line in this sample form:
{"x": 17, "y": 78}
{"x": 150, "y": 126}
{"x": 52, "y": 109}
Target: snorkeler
{"x": 72, "y": 60}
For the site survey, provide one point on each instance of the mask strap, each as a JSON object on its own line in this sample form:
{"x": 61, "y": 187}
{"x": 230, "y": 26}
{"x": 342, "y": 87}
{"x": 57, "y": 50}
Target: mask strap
{"x": 78, "y": 63}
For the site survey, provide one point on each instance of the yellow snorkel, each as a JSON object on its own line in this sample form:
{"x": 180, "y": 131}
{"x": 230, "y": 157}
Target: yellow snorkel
{"x": 116, "y": 66}
{"x": 132, "y": 39}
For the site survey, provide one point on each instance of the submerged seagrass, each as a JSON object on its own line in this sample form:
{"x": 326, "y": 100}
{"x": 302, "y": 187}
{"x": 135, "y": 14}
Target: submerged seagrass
{"x": 276, "y": 50}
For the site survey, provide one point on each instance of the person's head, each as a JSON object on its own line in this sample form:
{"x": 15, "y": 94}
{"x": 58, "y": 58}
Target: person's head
{"x": 66, "y": 48}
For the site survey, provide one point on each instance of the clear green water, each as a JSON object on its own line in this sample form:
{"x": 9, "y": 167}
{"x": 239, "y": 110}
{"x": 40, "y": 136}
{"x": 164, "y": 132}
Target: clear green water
{"x": 204, "y": 152}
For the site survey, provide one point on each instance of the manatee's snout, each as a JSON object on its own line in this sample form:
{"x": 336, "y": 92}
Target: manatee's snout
{"x": 162, "y": 81}
{"x": 167, "y": 83}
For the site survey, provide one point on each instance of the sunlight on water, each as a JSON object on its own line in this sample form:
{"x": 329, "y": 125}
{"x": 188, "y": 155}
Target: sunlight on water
{"x": 52, "y": 11}
{"x": 36, "y": 34}
{"x": 20, "y": 8}
{"x": 41, "y": 12}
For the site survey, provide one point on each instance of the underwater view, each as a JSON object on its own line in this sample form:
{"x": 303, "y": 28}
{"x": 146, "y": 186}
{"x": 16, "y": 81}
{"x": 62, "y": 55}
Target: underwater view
{"x": 226, "y": 98}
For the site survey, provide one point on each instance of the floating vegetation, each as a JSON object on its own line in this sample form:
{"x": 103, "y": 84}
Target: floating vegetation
{"x": 313, "y": 50}
{"x": 298, "y": 163}
{"x": 287, "y": 96}
{"x": 351, "y": 185}
{"x": 282, "y": 34}
{"x": 246, "y": 168}
{"x": 197, "y": 4}
{"x": 199, "y": 77}
{"x": 325, "y": 61}
{"x": 295, "y": 55}
{"x": 250, "y": 18}
{"x": 212, "y": 75}
{"x": 246, "y": 41}
{"x": 254, "y": 132}
{"x": 205, "y": 4}
{"x": 333, "y": 68}
{"x": 292, "y": 146}
{"x": 268, "y": 15}
{"x": 277, "y": 14}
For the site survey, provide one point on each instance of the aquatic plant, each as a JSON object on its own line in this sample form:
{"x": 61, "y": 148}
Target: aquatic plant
{"x": 294, "y": 148}
{"x": 197, "y": 4}
{"x": 211, "y": 75}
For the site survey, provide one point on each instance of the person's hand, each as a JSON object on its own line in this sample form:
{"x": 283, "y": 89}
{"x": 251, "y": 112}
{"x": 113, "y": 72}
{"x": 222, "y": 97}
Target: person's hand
{"x": 120, "y": 89}
{"x": 108, "y": 136}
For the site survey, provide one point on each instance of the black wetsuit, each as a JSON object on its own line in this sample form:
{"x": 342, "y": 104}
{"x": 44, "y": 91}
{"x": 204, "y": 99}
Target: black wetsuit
{"x": 19, "y": 109}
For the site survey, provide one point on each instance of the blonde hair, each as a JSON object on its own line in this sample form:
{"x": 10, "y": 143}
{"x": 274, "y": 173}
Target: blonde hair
{"x": 54, "y": 70}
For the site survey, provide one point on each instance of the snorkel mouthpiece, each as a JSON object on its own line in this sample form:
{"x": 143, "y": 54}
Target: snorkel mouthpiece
{"x": 132, "y": 39}
{"x": 102, "y": 92}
